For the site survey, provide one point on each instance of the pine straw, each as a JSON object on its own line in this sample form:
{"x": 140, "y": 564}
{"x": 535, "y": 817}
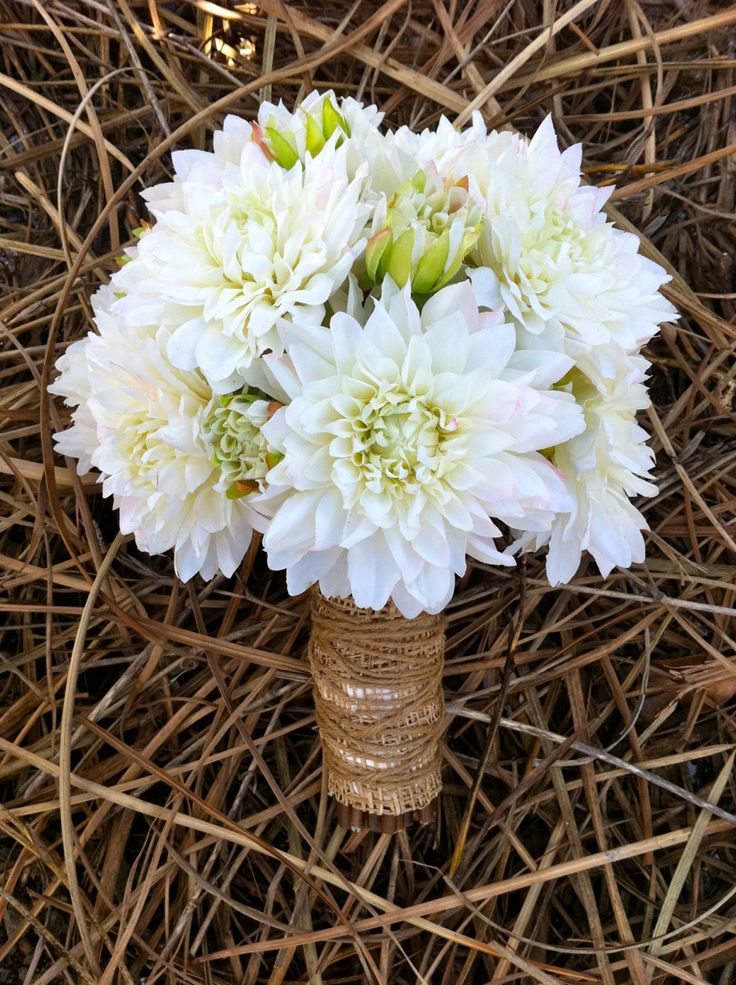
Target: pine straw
{"x": 163, "y": 818}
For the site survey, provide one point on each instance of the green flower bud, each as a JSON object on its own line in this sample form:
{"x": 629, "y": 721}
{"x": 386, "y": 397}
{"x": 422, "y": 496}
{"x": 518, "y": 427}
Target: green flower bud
{"x": 281, "y": 148}
{"x": 431, "y": 266}
{"x": 399, "y": 265}
{"x": 315, "y": 136}
{"x": 332, "y": 120}
{"x": 431, "y": 226}
{"x": 289, "y": 144}
{"x": 374, "y": 251}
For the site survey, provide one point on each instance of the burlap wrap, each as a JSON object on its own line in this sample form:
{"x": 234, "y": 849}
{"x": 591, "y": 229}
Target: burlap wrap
{"x": 378, "y": 696}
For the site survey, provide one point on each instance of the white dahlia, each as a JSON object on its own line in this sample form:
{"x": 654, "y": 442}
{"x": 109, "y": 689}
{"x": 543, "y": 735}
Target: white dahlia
{"x": 154, "y": 433}
{"x": 602, "y": 468}
{"x": 402, "y": 440}
{"x": 552, "y": 259}
{"x": 239, "y": 246}
{"x": 555, "y": 259}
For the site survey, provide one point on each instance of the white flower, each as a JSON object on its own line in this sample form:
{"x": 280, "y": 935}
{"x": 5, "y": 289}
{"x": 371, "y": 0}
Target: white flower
{"x": 602, "y": 467}
{"x": 555, "y": 259}
{"x": 239, "y": 246}
{"x": 146, "y": 426}
{"x": 552, "y": 259}
{"x": 401, "y": 442}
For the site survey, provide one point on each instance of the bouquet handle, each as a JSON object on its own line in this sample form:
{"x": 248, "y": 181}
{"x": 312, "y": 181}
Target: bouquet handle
{"x": 377, "y": 681}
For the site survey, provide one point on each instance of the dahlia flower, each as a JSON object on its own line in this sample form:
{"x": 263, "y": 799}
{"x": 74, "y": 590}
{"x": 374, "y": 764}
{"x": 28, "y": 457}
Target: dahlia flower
{"x": 152, "y": 431}
{"x": 551, "y": 257}
{"x": 555, "y": 258}
{"x": 490, "y": 374}
{"x": 401, "y": 442}
{"x": 602, "y": 468}
{"x": 237, "y": 247}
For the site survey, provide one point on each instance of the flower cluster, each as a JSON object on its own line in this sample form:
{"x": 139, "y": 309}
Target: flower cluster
{"x": 384, "y": 351}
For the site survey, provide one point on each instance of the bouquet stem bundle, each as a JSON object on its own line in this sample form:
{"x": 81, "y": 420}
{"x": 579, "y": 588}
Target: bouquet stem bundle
{"x": 379, "y": 702}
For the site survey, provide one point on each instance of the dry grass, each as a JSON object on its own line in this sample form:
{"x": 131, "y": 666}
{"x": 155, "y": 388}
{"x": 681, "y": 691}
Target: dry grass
{"x": 162, "y": 816}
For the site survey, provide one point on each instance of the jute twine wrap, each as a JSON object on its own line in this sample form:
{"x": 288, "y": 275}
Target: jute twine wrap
{"x": 378, "y": 696}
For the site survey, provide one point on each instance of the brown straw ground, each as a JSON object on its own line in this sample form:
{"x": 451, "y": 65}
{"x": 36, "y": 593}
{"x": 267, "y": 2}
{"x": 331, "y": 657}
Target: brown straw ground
{"x": 162, "y": 815}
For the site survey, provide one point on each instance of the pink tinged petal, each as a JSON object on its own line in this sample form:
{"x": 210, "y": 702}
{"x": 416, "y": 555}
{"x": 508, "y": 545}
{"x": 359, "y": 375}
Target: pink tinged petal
{"x": 497, "y": 484}
{"x": 372, "y": 572}
{"x": 503, "y": 402}
{"x": 449, "y": 302}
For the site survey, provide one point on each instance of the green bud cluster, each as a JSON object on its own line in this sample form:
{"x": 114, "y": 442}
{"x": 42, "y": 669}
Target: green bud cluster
{"x": 431, "y": 226}
{"x": 320, "y": 126}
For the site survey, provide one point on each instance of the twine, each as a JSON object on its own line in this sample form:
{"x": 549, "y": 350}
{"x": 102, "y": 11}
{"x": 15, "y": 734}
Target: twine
{"x": 378, "y": 696}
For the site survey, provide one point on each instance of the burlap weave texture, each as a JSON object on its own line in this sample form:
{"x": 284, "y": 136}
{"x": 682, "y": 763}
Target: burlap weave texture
{"x": 378, "y": 696}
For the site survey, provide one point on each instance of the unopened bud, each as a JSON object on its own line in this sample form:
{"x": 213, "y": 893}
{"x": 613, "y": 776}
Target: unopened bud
{"x": 281, "y": 148}
{"x": 431, "y": 226}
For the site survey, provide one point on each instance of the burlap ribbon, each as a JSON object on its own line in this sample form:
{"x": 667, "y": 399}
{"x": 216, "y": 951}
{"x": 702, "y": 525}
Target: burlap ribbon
{"x": 379, "y": 702}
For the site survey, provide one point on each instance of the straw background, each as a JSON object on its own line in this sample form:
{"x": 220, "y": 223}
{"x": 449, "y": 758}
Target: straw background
{"x": 162, "y": 818}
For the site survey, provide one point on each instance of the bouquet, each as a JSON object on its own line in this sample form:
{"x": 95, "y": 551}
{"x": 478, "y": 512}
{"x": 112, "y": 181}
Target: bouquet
{"x": 386, "y": 352}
